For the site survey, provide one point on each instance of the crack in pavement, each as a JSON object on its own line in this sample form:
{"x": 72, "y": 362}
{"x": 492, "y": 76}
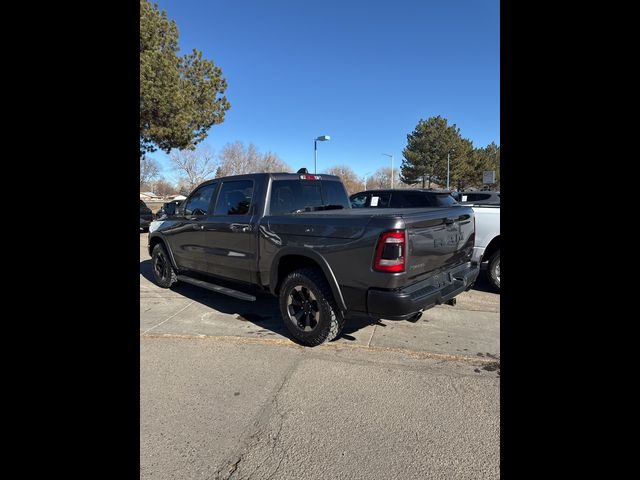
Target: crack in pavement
{"x": 260, "y": 427}
{"x": 273, "y": 441}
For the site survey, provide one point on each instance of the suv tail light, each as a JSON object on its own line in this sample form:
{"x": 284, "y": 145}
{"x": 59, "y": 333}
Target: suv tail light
{"x": 391, "y": 252}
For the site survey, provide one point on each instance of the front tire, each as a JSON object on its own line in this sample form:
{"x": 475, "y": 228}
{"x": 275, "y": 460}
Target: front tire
{"x": 163, "y": 271}
{"x": 308, "y": 309}
{"x": 493, "y": 270}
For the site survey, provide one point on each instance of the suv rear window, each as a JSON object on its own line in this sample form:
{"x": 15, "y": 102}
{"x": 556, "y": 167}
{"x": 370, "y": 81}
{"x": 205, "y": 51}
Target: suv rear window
{"x": 409, "y": 200}
{"x": 474, "y": 197}
{"x": 443, "y": 200}
{"x": 290, "y": 195}
{"x": 400, "y": 199}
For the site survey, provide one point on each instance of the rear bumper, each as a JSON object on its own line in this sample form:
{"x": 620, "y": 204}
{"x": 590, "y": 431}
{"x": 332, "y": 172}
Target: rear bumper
{"x": 403, "y": 303}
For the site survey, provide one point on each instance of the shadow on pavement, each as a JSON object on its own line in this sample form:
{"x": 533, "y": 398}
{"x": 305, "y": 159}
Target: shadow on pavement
{"x": 264, "y": 312}
{"x": 482, "y": 284}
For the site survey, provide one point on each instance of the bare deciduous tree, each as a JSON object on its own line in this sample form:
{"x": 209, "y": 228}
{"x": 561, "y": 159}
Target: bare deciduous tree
{"x": 235, "y": 159}
{"x": 149, "y": 170}
{"x": 196, "y": 165}
{"x": 163, "y": 188}
{"x": 349, "y": 178}
{"x": 273, "y": 163}
{"x": 381, "y": 178}
{"x": 183, "y": 186}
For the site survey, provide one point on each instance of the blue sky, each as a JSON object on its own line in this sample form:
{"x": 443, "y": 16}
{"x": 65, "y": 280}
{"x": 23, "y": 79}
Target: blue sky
{"x": 363, "y": 72}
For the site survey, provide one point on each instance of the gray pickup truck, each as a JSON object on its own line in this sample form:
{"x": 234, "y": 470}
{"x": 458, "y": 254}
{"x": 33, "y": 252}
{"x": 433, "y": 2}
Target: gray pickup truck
{"x": 296, "y": 236}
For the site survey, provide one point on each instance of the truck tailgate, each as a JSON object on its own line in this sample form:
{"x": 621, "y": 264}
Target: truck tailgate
{"x": 438, "y": 238}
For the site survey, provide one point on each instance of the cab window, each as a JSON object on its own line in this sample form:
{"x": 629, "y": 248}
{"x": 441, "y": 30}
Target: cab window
{"x": 235, "y": 198}
{"x": 199, "y": 201}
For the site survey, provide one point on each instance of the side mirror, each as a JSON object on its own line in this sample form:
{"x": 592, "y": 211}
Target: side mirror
{"x": 170, "y": 208}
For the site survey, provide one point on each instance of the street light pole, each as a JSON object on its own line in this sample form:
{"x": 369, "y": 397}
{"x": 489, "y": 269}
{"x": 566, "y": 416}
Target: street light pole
{"x": 321, "y": 138}
{"x": 365, "y": 179}
{"x": 389, "y": 155}
{"x": 447, "y": 171}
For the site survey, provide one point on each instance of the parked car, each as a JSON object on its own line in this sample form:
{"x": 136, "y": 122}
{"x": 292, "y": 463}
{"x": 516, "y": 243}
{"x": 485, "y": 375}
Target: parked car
{"x": 146, "y": 216}
{"x": 477, "y": 198}
{"x": 402, "y": 198}
{"x": 487, "y": 244}
{"x": 162, "y": 211}
{"x": 296, "y": 236}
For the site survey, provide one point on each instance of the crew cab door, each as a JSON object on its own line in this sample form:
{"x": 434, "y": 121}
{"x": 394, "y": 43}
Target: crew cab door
{"x": 229, "y": 231}
{"x": 187, "y": 239}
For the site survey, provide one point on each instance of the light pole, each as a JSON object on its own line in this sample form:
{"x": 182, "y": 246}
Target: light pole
{"x": 447, "y": 171}
{"x": 322, "y": 138}
{"x": 389, "y": 155}
{"x": 365, "y": 179}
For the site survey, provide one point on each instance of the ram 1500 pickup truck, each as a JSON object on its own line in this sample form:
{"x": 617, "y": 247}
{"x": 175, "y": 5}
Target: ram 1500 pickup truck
{"x": 296, "y": 236}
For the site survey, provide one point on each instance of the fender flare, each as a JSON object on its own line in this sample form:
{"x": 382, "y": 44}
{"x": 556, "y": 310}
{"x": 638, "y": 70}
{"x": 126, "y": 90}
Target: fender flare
{"x": 317, "y": 258}
{"x": 161, "y": 239}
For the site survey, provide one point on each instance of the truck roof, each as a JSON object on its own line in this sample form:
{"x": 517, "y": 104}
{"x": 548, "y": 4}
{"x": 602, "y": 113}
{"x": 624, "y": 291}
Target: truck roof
{"x": 273, "y": 175}
{"x": 422, "y": 190}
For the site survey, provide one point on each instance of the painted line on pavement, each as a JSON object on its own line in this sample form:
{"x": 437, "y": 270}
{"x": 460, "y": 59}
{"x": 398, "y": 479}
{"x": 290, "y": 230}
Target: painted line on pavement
{"x": 183, "y": 308}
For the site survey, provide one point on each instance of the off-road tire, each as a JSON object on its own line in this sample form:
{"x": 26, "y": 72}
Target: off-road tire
{"x": 163, "y": 272}
{"x": 331, "y": 321}
{"x": 493, "y": 270}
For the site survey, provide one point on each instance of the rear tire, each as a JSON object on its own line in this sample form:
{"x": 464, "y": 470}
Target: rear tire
{"x": 308, "y": 308}
{"x": 163, "y": 272}
{"x": 493, "y": 270}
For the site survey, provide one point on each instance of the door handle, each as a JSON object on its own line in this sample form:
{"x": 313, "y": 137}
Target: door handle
{"x": 240, "y": 228}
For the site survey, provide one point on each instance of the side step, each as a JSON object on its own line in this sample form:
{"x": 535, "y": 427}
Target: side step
{"x": 217, "y": 288}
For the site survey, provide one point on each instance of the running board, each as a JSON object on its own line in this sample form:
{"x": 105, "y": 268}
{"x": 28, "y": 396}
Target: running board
{"x": 217, "y": 288}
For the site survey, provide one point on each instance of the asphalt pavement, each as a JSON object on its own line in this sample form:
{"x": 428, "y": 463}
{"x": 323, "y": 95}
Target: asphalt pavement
{"x": 225, "y": 394}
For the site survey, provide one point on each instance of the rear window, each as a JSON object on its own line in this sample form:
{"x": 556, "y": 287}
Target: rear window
{"x": 410, "y": 200}
{"x": 359, "y": 201}
{"x": 290, "y": 195}
{"x": 474, "y": 197}
{"x": 443, "y": 200}
{"x": 379, "y": 200}
{"x": 401, "y": 199}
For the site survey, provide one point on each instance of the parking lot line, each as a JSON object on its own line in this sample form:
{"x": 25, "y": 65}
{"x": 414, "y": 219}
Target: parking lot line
{"x": 164, "y": 321}
{"x": 371, "y": 337}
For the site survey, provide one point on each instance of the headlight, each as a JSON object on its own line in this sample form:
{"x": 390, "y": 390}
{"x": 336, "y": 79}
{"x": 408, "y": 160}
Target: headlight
{"x": 154, "y": 225}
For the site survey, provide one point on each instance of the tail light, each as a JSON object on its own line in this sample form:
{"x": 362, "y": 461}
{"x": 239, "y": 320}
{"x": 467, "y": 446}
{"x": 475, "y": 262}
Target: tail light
{"x": 391, "y": 252}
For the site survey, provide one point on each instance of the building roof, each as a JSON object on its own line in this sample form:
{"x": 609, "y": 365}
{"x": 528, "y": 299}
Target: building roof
{"x": 149, "y": 194}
